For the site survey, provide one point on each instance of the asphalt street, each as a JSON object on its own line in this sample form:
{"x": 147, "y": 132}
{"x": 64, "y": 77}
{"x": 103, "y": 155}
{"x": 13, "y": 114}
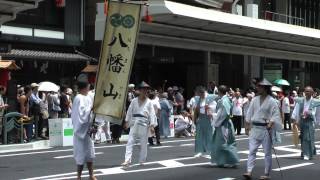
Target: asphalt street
{"x": 173, "y": 160}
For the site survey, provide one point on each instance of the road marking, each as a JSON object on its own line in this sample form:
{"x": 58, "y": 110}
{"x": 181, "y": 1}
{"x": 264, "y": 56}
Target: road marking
{"x": 53, "y": 176}
{"x": 247, "y": 152}
{"x": 171, "y": 163}
{"x": 159, "y": 147}
{"x": 288, "y": 149}
{"x": 115, "y": 170}
{"x": 227, "y": 178}
{"x": 71, "y": 156}
{"x": 183, "y": 145}
{"x": 293, "y": 166}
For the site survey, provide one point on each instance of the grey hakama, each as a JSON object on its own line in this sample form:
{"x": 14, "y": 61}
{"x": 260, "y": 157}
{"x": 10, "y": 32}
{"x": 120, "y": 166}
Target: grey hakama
{"x": 204, "y": 128}
{"x": 304, "y": 114}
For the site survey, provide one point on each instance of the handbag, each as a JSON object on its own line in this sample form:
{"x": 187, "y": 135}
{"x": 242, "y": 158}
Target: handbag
{"x": 44, "y": 114}
{"x": 55, "y": 107}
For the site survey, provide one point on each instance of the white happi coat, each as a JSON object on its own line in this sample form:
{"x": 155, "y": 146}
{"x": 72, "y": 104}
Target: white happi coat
{"x": 83, "y": 147}
{"x": 268, "y": 111}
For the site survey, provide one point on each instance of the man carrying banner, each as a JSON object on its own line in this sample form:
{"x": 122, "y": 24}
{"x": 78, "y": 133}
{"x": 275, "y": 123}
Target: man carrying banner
{"x": 264, "y": 120}
{"x": 140, "y": 117}
{"x": 304, "y": 114}
{"x": 83, "y": 149}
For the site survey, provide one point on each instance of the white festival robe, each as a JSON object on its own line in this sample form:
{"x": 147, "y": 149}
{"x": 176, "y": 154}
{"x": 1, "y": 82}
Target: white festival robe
{"x": 266, "y": 112}
{"x": 83, "y": 146}
{"x": 262, "y": 113}
{"x": 139, "y": 118}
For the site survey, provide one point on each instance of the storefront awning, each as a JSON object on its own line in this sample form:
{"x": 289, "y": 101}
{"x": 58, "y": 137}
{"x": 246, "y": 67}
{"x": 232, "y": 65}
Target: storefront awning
{"x": 10, "y": 8}
{"x": 183, "y": 26}
{"x": 90, "y": 69}
{"x": 8, "y": 65}
{"x": 18, "y": 54}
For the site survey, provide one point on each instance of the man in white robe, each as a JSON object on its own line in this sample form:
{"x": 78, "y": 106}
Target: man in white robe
{"x": 264, "y": 120}
{"x": 83, "y": 146}
{"x": 140, "y": 117}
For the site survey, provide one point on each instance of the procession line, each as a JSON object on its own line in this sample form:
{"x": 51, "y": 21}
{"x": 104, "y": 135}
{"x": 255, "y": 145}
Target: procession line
{"x": 113, "y": 146}
{"x": 67, "y": 150}
{"x": 98, "y": 147}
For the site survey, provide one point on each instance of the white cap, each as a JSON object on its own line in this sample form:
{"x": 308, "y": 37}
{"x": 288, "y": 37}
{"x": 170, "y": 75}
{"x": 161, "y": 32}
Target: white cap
{"x": 131, "y": 86}
{"x": 33, "y": 85}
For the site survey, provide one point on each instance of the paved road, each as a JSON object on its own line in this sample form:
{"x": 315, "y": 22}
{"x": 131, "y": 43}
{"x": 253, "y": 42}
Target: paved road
{"x": 173, "y": 160}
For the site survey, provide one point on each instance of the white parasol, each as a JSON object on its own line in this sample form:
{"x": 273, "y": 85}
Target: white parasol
{"x": 276, "y": 89}
{"x": 48, "y": 87}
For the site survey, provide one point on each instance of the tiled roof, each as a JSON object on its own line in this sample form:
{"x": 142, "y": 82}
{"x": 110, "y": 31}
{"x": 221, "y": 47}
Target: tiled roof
{"x": 45, "y": 55}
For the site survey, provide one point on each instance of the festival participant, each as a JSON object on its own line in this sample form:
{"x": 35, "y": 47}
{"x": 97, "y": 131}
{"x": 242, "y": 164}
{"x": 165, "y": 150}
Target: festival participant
{"x": 140, "y": 117}
{"x": 224, "y": 151}
{"x": 83, "y": 146}
{"x": 263, "y": 120}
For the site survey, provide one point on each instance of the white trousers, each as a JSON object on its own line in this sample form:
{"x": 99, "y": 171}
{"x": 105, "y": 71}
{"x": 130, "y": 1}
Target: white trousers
{"x": 253, "y": 148}
{"x": 104, "y": 127}
{"x": 133, "y": 138}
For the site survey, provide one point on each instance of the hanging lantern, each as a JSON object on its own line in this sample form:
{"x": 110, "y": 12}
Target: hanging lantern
{"x": 105, "y": 7}
{"x": 148, "y": 18}
{"x": 60, "y": 3}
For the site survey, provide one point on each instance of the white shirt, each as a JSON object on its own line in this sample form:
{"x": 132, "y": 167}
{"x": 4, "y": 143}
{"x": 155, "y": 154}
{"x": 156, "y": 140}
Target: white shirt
{"x": 296, "y": 111}
{"x": 156, "y": 103}
{"x": 237, "y": 106}
{"x": 146, "y": 109}
{"x": 211, "y": 107}
{"x": 285, "y": 105}
{"x": 192, "y": 103}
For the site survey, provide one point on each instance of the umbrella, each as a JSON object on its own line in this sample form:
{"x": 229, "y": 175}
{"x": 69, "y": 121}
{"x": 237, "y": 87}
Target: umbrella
{"x": 48, "y": 86}
{"x": 276, "y": 89}
{"x": 281, "y": 82}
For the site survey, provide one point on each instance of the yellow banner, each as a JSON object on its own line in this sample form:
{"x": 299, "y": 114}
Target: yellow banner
{"x": 116, "y": 59}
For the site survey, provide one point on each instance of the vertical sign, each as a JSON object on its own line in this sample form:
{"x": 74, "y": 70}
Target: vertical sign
{"x": 116, "y": 59}
{"x": 272, "y": 71}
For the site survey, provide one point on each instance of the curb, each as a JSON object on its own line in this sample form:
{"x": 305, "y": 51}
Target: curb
{"x": 37, "y": 145}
